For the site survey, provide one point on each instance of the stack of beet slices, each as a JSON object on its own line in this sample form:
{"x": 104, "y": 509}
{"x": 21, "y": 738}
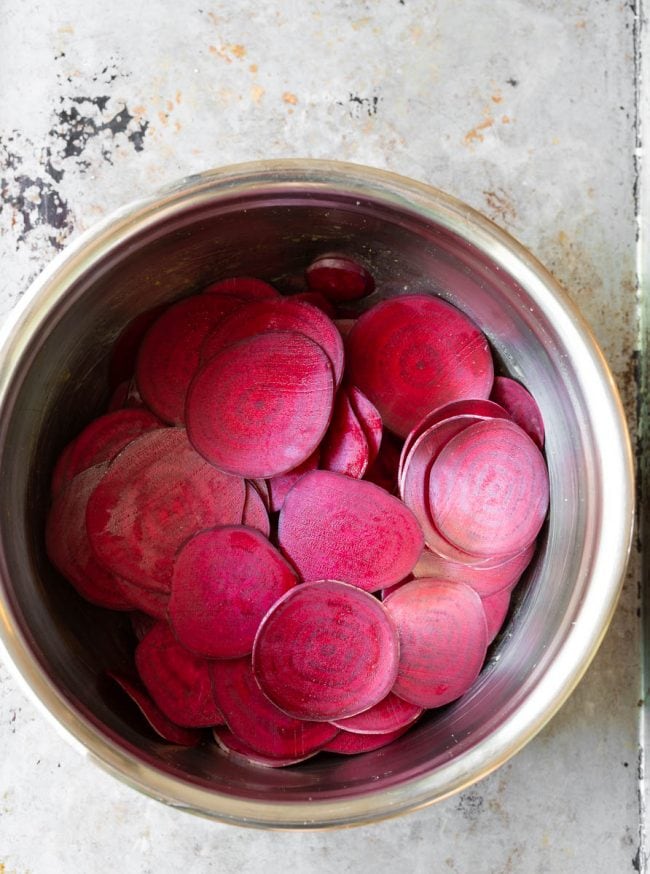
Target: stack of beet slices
{"x": 314, "y": 522}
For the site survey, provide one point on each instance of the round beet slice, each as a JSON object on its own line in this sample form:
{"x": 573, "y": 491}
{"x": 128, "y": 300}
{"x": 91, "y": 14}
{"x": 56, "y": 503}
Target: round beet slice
{"x": 280, "y": 486}
{"x": 488, "y": 489}
{"x": 178, "y": 681}
{"x": 496, "y": 609}
{"x": 261, "y": 406}
{"x": 315, "y": 298}
{"x": 245, "y": 288}
{"x": 443, "y": 640}
{"x": 384, "y": 469}
{"x": 369, "y": 419}
{"x": 255, "y": 514}
{"x": 485, "y": 581}
{"x": 325, "y": 651}
{"x": 345, "y": 448}
{"x": 257, "y": 722}
{"x": 389, "y": 715}
{"x": 334, "y": 527}
{"x": 348, "y": 743}
{"x": 125, "y": 348}
{"x": 339, "y": 277}
{"x": 412, "y": 354}
{"x": 225, "y": 581}
{"x": 521, "y": 406}
{"x": 155, "y": 494}
{"x": 232, "y": 746}
{"x": 169, "y": 354}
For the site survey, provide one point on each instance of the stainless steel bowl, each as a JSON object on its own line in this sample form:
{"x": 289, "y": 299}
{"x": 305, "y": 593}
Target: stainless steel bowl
{"x": 268, "y": 219}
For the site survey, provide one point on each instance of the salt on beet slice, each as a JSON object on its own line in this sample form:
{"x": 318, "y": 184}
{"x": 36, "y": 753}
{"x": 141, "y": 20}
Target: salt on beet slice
{"x": 369, "y": 419}
{"x": 255, "y": 514}
{"x": 326, "y": 650}
{"x": 488, "y": 489}
{"x": 388, "y": 715}
{"x": 260, "y": 407}
{"x": 443, "y": 640}
{"x": 164, "y": 727}
{"x": 348, "y": 743}
{"x": 257, "y": 722}
{"x": 178, "y": 681}
{"x": 225, "y": 581}
{"x": 414, "y": 353}
{"x": 485, "y": 581}
{"x": 169, "y": 353}
{"x": 155, "y": 494}
{"x": 345, "y": 448}
{"x": 246, "y": 288}
{"x": 334, "y": 527}
{"x": 496, "y": 609}
{"x": 280, "y": 486}
{"x": 521, "y": 406}
{"x": 125, "y": 348}
{"x": 283, "y": 314}
{"x": 237, "y": 750}
{"x": 339, "y": 277}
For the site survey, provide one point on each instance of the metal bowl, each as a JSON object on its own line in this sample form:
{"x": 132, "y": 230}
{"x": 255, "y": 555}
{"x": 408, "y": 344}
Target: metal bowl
{"x": 268, "y": 219}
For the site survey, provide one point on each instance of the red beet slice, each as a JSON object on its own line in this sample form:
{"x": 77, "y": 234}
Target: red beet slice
{"x": 496, "y": 609}
{"x": 169, "y": 354}
{"x": 443, "y": 640}
{"x": 152, "y": 603}
{"x": 315, "y": 298}
{"x": 339, "y": 277}
{"x": 236, "y": 749}
{"x": 383, "y": 471}
{"x": 369, "y": 419}
{"x": 225, "y": 581}
{"x": 389, "y": 715}
{"x": 177, "y": 680}
{"x": 325, "y": 651}
{"x": 521, "y": 406}
{"x": 485, "y": 581}
{"x": 262, "y": 488}
{"x": 164, "y": 727}
{"x": 284, "y": 314}
{"x": 156, "y": 493}
{"x": 261, "y": 407}
{"x": 488, "y": 489}
{"x": 125, "y": 349}
{"x": 59, "y": 474}
{"x": 243, "y": 287}
{"x": 280, "y": 486}
{"x": 68, "y": 547}
{"x": 257, "y": 722}
{"x": 334, "y": 527}
{"x": 344, "y": 448}
{"x": 412, "y": 354}
{"x": 255, "y": 514}
{"x": 347, "y": 743}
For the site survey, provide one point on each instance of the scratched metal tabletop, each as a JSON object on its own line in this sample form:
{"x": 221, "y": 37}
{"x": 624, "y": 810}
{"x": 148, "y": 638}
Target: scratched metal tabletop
{"x": 527, "y": 110}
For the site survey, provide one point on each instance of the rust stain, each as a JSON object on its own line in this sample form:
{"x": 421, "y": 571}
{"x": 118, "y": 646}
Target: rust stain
{"x": 238, "y": 50}
{"x": 289, "y": 97}
{"x": 257, "y": 92}
{"x": 163, "y": 116}
{"x": 169, "y": 105}
{"x": 500, "y": 206}
{"x": 178, "y": 97}
{"x": 361, "y": 22}
{"x": 65, "y": 28}
{"x": 137, "y": 111}
{"x": 475, "y": 134}
{"x": 505, "y": 119}
{"x": 581, "y": 25}
{"x": 416, "y": 33}
{"x": 214, "y": 18}
{"x": 497, "y": 98}
{"x": 253, "y": 68}
{"x": 177, "y": 126}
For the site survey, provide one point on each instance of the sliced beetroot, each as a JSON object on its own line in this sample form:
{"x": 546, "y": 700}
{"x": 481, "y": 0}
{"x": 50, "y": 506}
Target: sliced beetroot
{"x": 156, "y": 493}
{"x": 315, "y": 298}
{"x": 369, "y": 419}
{"x": 260, "y": 407}
{"x": 485, "y": 581}
{"x": 521, "y": 406}
{"x": 262, "y": 488}
{"x": 141, "y": 623}
{"x": 283, "y": 314}
{"x": 488, "y": 489}
{"x": 280, "y": 486}
{"x": 443, "y": 640}
{"x": 345, "y": 448}
{"x": 255, "y": 514}
{"x": 412, "y": 354}
{"x": 325, "y": 651}
{"x": 257, "y": 722}
{"x": 347, "y": 743}
{"x": 178, "y": 681}
{"x": 125, "y": 348}
{"x": 237, "y": 750}
{"x": 496, "y": 609}
{"x": 339, "y": 277}
{"x": 225, "y": 580}
{"x": 152, "y": 603}
{"x": 389, "y": 715}
{"x": 246, "y": 288}
{"x": 169, "y": 354}
{"x": 384, "y": 469}
{"x": 59, "y": 474}
{"x": 344, "y": 326}
{"x": 164, "y": 727}
{"x": 334, "y": 527}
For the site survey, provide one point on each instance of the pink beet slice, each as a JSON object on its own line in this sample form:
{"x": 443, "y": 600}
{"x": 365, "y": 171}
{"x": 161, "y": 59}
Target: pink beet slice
{"x": 521, "y": 406}
{"x": 262, "y": 488}
{"x": 260, "y": 407}
{"x": 339, "y": 277}
{"x": 443, "y": 640}
{"x": 384, "y": 469}
{"x": 169, "y": 354}
{"x": 283, "y": 314}
{"x": 241, "y": 752}
{"x": 280, "y": 486}
{"x": 369, "y": 419}
{"x": 125, "y": 349}
{"x": 412, "y": 354}
{"x": 178, "y": 681}
{"x": 255, "y": 514}
{"x": 488, "y": 489}
{"x": 389, "y": 715}
{"x": 257, "y": 722}
{"x": 325, "y": 651}
{"x": 347, "y": 743}
{"x": 225, "y": 581}
{"x": 496, "y": 609}
{"x": 164, "y": 727}
{"x": 68, "y": 547}
{"x": 152, "y": 603}
{"x": 246, "y": 288}
{"x": 345, "y": 448}
{"x": 156, "y": 493}
{"x": 334, "y": 527}
{"x": 315, "y": 298}
{"x": 485, "y": 581}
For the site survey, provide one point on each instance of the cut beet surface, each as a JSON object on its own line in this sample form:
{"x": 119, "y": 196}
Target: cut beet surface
{"x": 485, "y": 581}
{"x": 154, "y": 604}
{"x": 280, "y": 486}
{"x": 257, "y": 722}
{"x": 255, "y": 514}
{"x": 225, "y": 580}
{"x": 155, "y": 494}
{"x": 521, "y": 406}
{"x": 246, "y": 288}
{"x": 125, "y": 349}
{"x": 315, "y": 298}
{"x": 369, "y": 419}
{"x": 412, "y": 354}
{"x": 339, "y": 277}
{"x": 389, "y": 715}
{"x": 261, "y": 407}
{"x": 347, "y": 743}
{"x": 384, "y": 469}
{"x": 496, "y": 609}
{"x": 237, "y": 750}
{"x": 345, "y": 448}
{"x": 325, "y": 651}
{"x": 334, "y": 527}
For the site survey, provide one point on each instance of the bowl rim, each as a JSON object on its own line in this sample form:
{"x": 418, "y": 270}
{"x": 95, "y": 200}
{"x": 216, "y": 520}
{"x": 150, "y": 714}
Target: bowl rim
{"x": 612, "y": 551}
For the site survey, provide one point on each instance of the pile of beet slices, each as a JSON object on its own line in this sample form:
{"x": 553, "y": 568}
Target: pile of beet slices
{"x": 315, "y": 522}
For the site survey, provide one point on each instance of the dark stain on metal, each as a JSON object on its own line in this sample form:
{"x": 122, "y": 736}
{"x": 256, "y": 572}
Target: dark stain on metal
{"x": 357, "y": 104}
{"x": 76, "y": 125}
{"x": 512, "y": 81}
{"x": 470, "y": 805}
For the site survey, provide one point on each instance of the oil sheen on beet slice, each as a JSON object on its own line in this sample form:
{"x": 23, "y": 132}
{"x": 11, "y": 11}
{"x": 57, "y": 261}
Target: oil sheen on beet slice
{"x": 389, "y": 715}
{"x": 339, "y": 277}
{"x": 521, "y": 406}
{"x": 334, "y": 527}
{"x": 325, "y": 651}
{"x": 260, "y": 407}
